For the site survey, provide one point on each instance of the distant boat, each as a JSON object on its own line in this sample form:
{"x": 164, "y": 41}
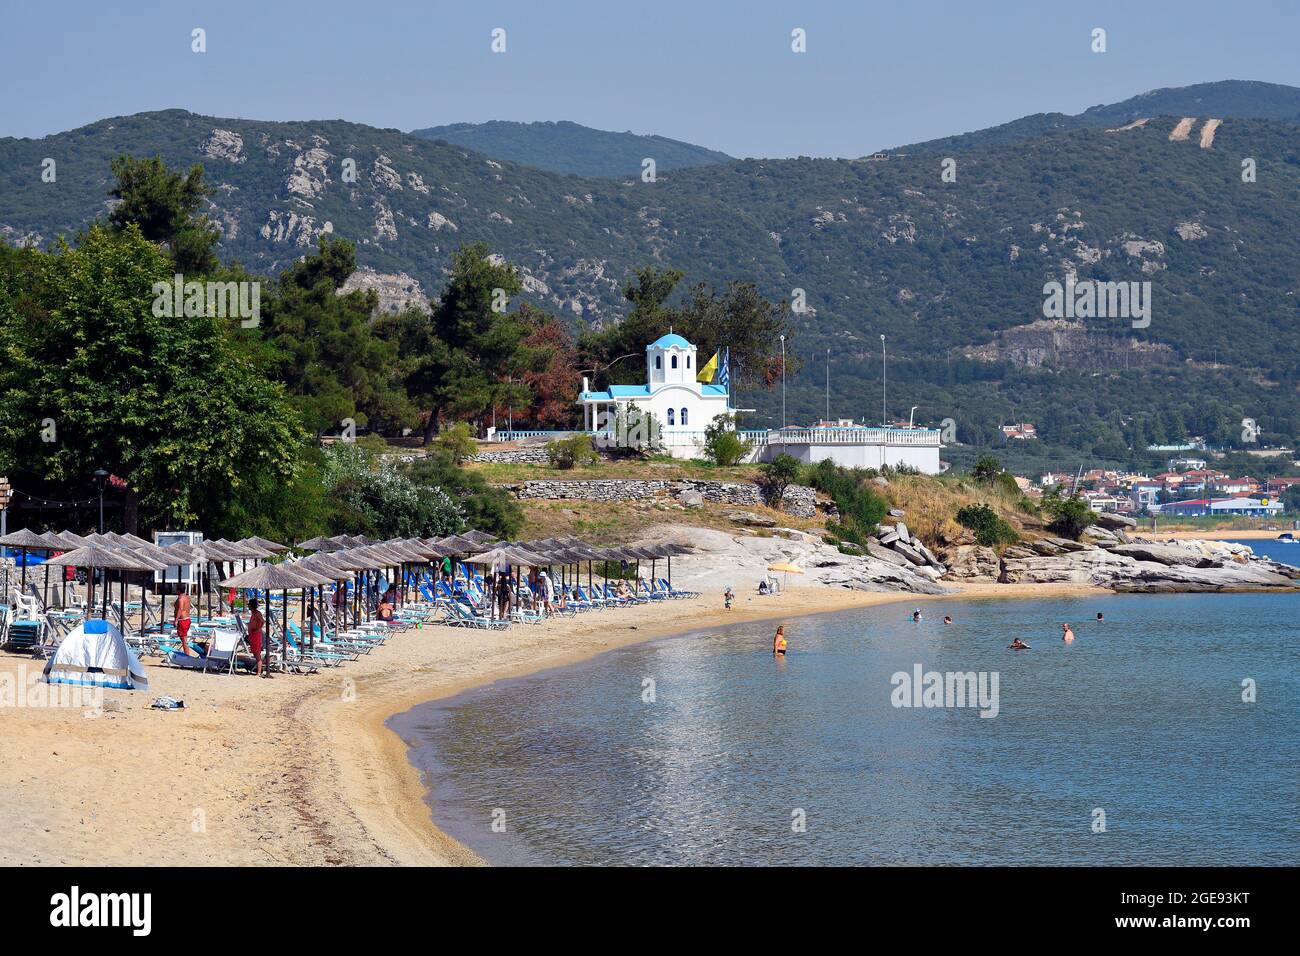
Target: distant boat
{"x": 1288, "y": 538}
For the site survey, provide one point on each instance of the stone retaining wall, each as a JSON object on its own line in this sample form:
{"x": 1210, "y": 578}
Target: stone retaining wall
{"x": 800, "y": 501}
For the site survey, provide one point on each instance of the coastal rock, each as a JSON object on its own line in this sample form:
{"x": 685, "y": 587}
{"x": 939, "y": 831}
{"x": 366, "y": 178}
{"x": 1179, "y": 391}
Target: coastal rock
{"x": 909, "y": 552}
{"x": 881, "y": 553}
{"x": 1177, "y": 570}
{"x": 1113, "y": 522}
{"x": 1149, "y": 577}
{"x": 972, "y": 561}
{"x": 691, "y": 499}
{"x": 1166, "y": 554}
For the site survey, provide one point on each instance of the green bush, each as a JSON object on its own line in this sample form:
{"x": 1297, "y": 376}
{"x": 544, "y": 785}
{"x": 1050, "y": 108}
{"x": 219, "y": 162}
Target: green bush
{"x": 457, "y": 442}
{"x": 860, "y": 506}
{"x": 990, "y": 528}
{"x": 485, "y": 508}
{"x": 1070, "y": 516}
{"x": 722, "y": 445}
{"x": 566, "y": 453}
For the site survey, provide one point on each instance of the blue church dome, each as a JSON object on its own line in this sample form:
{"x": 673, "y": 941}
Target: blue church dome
{"x": 668, "y": 341}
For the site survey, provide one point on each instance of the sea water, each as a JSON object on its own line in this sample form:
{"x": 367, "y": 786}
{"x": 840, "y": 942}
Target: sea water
{"x": 1166, "y": 734}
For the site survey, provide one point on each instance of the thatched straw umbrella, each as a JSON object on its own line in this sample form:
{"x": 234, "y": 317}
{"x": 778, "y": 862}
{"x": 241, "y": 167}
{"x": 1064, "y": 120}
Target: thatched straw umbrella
{"x": 273, "y": 546}
{"x": 268, "y": 577}
{"x": 317, "y": 543}
{"x": 26, "y": 540}
{"x": 98, "y": 557}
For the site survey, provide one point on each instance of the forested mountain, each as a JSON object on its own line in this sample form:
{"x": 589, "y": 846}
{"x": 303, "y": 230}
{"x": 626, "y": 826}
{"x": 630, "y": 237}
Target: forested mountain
{"x": 1239, "y": 99}
{"x": 566, "y": 147}
{"x": 952, "y": 272}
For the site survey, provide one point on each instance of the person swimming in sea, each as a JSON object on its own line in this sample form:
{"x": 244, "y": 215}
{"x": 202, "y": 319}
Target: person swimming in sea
{"x": 947, "y": 619}
{"x": 1018, "y": 645}
{"x": 1100, "y": 616}
{"x": 916, "y": 615}
{"x": 1067, "y": 635}
{"x": 779, "y": 645}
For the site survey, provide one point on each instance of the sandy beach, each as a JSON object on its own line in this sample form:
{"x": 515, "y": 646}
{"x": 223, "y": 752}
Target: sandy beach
{"x": 1246, "y": 535}
{"x": 301, "y": 769}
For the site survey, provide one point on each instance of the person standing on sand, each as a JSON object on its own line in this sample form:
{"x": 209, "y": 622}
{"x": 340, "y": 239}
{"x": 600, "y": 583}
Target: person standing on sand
{"x": 779, "y": 645}
{"x": 256, "y": 624}
{"x": 183, "y": 612}
{"x": 544, "y": 581}
{"x": 727, "y": 598}
{"x": 1067, "y": 635}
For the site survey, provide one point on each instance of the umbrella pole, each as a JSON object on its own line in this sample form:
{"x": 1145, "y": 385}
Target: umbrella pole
{"x": 23, "y": 587}
{"x": 266, "y": 634}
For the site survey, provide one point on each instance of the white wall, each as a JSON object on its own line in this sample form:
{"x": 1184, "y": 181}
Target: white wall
{"x": 924, "y": 459}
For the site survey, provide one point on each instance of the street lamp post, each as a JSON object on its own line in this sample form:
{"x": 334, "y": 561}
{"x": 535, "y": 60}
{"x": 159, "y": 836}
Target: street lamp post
{"x": 100, "y": 476}
{"x": 883, "y": 413}
{"x": 783, "y": 381}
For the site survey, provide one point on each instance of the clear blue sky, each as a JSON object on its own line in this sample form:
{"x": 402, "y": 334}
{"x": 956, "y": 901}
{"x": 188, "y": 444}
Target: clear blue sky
{"x": 720, "y": 74}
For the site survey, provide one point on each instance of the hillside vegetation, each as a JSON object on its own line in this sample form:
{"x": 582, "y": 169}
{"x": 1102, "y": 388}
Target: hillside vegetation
{"x": 951, "y": 272}
{"x": 569, "y": 148}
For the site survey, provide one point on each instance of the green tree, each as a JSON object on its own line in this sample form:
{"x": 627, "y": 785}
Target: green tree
{"x": 469, "y": 355}
{"x": 325, "y": 350}
{"x": 165, "y": 206}
{"x": 776, "y": 476}
{"x": 986, "y": 469}
{"x": 166, "y": 403}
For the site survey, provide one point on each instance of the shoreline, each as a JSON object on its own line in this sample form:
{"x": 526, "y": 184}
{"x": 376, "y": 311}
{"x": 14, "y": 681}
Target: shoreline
{"x": 1244, "y": 535}
{"x": 303, "y": 770}
{"x": 410, "y": 811}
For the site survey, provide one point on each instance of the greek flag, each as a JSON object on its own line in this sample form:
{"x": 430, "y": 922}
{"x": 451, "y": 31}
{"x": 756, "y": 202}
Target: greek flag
{"x": 724, "y": 370}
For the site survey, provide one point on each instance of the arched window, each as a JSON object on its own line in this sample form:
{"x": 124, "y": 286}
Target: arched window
{"x": 684, "y": 416}
{"x": 659, "y": 361}
{"x": 674, "y": 361}
{"x": 688, "y": 361}
{"x": 670, "y": 417}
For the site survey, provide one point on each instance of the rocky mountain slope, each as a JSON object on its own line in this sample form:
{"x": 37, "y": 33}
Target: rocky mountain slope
{"x": 566, "y": 147}
{"x": 1240, "y": 99}
{"x": 951, "y": 271}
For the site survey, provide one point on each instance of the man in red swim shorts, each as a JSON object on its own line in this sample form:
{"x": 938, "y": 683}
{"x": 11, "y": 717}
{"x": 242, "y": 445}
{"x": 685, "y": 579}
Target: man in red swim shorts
{"x": 183, "y": 621}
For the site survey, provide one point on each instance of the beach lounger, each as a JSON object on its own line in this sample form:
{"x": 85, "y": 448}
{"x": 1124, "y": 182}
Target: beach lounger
{"x": 673, "y": 592}
{"x": 222, "y": 655}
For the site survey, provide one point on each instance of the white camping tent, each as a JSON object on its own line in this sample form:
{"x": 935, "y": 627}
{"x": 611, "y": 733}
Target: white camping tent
{"x": 95, "y": 654}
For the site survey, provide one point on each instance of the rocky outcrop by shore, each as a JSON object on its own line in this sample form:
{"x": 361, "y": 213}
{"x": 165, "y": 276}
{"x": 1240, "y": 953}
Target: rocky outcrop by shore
{"x": 1141, "y": 565}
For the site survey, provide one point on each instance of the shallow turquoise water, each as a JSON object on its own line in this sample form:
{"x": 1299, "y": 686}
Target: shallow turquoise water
{"x": 1141, "y": 717}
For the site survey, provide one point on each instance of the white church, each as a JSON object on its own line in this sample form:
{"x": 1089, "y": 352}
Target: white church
{"x": 682, "y": 405}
